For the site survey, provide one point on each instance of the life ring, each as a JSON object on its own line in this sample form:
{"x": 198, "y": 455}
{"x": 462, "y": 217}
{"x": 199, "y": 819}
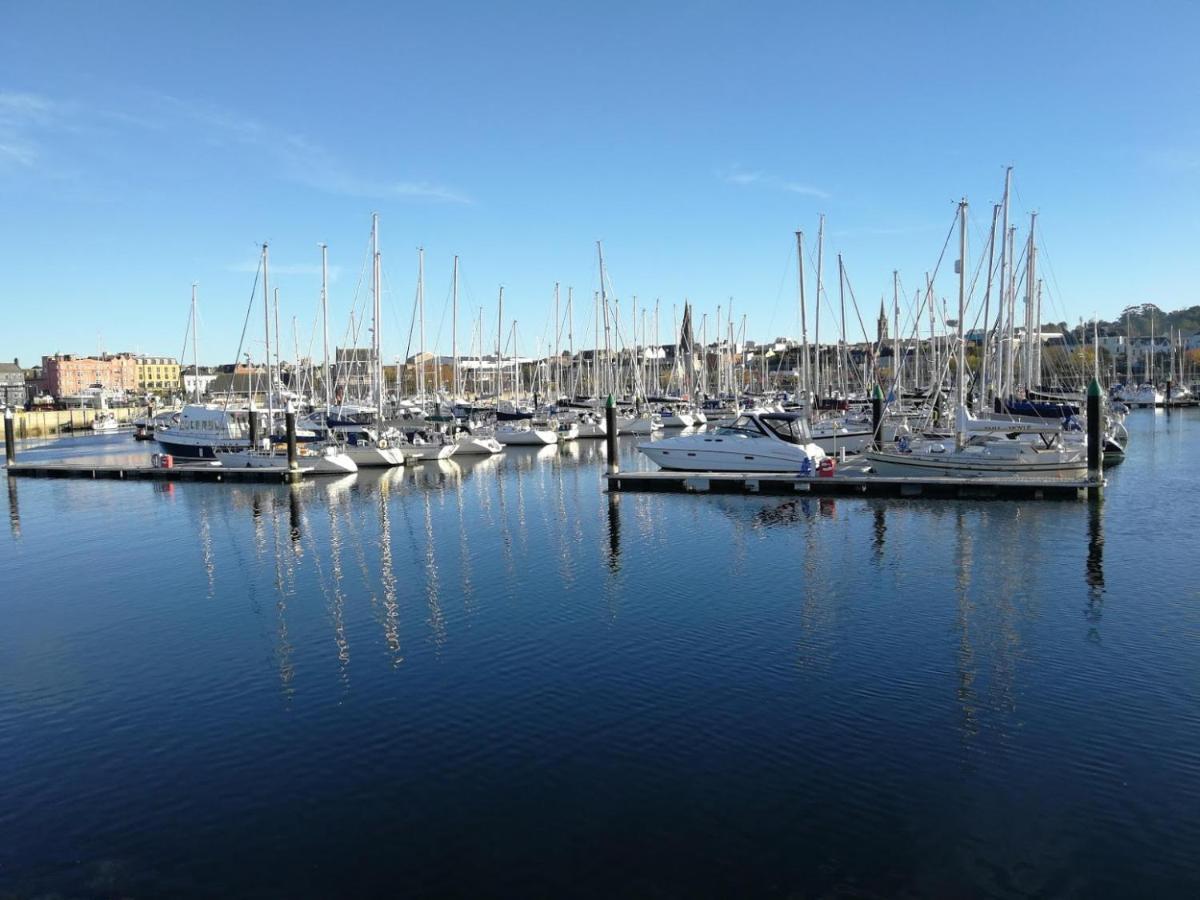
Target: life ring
{"x": 383, "y": 444}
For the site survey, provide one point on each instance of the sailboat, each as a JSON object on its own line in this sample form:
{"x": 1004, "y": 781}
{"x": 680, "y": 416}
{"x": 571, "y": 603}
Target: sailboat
{"x": 322, "y": 459}
{"x": 367, "y": 446}
{"x": 980, "y": 454}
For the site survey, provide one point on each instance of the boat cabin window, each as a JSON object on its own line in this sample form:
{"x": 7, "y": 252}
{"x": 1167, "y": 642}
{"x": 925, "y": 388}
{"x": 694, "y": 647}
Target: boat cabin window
{"x": 743, "y": 425}
{"x": 790, "y": 430}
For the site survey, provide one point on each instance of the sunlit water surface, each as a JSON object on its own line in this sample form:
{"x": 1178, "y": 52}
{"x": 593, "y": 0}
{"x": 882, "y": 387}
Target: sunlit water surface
{"x": 488, "y": 677}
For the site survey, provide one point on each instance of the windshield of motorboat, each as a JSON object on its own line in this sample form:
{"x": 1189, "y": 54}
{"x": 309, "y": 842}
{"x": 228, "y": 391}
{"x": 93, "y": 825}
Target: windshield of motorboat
{"x": 743, "y": 425}
{"x": 787, "y": 428}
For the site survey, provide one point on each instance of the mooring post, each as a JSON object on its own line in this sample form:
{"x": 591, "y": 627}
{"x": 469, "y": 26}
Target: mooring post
{"x": 10, "y": 437}
{"x": 253, "y": 422}
{"x": 1167, "y": 404}
{"x": 876, "y": 417}
{"x": 610, "y": 426}
{"x": 1095, "y": 441}
{"x": 290, "y": 419}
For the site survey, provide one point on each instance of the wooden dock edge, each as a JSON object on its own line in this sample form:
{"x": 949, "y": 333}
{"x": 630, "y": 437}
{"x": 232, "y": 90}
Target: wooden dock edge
{"x": 850, "y": 486}
{"x": 212, "y": 474}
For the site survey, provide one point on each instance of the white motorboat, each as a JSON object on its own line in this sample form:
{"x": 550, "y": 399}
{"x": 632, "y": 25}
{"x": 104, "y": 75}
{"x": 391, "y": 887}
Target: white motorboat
{"x": 198, "y": 430}
{"x": 755, "y": 442}
{"x": 105, "y": 424}
{"x": 531, "y": 434}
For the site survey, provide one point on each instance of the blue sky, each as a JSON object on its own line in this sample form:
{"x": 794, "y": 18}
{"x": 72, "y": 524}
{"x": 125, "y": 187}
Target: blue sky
{"x": 146, "y": 146}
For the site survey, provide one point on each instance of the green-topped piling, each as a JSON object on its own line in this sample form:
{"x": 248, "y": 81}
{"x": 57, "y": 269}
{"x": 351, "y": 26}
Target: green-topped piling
{"x": 610, "y": 427}
{"x": 1095, "y": 441}
{"x": 876, "y": 417}
{"x": 10, "y": 436}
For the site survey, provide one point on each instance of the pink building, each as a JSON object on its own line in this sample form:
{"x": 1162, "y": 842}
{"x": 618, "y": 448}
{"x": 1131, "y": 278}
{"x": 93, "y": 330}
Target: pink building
{"x": 65, "y": 375}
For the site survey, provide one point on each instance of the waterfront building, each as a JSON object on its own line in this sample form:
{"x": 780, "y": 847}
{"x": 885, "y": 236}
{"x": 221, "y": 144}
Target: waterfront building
{"x": 12, "y": 384}
{"x": 68, "y": 376}
{"x": 158, "y": 375}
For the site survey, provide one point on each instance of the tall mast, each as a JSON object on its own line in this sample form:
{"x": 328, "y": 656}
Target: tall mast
{"x": 820, "y": 266}
{"x": 896, "y": 370}
{"x": 961, "y": 366}
{"x": 267, "y": 332}
{"x": 604, "y": 304}
{"x": 841, "y": 360}
{"x": 557, "y": 349}
{"x": 805, "y": 373}
{"x": 195, "y": 354}
{"x": 1031, "y": 327}
{"x": 571, "y": 336}
{"x": 325, "y": 323}
{"x": 987, "y": 298}
{"x": 454, "y": 324}
{"x": 278, "y": 342}
{"x": 376, "y": 320}
{"x": 1004, "y": 351}
{"x": 1010, "y": 353}
{"x": 499, "y": 326}
{"x": 421, "y": 323}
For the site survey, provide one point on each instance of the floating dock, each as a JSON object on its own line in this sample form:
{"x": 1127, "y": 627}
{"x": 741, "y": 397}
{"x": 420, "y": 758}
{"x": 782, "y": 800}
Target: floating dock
{"x": 147, "y": 472}
{"x": 853, "y": 482}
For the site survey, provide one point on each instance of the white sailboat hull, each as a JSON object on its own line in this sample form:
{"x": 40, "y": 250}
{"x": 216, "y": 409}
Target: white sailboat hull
{"x": 367, "y": 456}
{"x": 968, "y": 464}
{"x": 427, "y": 452}
{"x": 531, "y": 437}
{"x": 470, "y": 445}
{"x": 638, "y": 425}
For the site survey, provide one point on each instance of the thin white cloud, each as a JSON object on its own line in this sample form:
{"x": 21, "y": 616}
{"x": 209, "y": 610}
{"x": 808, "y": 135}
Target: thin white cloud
{"x": 304, "y": 161}
{"x": 27, "y": 121}
{"x": 22, "y": 117}
{"x": 20, "y": 153}
{"x": 751, "y": 178}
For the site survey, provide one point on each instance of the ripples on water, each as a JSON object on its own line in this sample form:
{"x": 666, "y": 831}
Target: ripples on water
{"x": 487, "y": 677}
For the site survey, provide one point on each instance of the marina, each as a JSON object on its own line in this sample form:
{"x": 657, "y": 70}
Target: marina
{"x": 650, "y": 451}
{"x": 494, "y": 649}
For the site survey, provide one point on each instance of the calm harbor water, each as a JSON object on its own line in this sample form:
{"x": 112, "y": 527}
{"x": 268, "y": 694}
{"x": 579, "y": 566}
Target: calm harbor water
{"x": 489, "y": 678}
